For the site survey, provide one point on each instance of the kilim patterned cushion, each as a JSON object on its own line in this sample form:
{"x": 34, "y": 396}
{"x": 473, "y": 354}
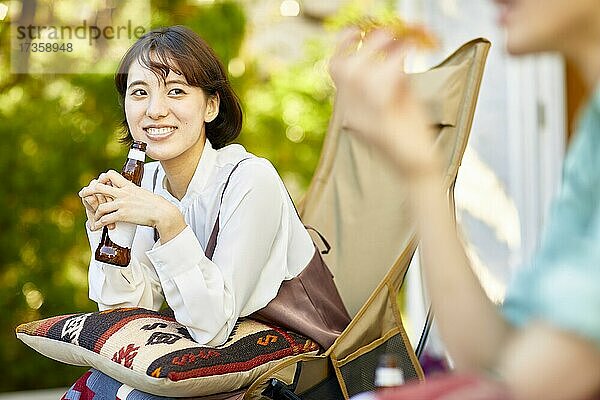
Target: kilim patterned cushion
{"x": 150, "y": 351}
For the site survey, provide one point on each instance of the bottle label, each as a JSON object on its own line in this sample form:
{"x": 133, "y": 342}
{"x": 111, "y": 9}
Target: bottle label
{"x": 137, "y": 155}
{"x": 388, "y": 377}
{"x": 123, "y": 234}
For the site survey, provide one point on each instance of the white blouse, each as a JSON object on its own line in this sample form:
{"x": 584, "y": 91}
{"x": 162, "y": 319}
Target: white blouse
{"x": 261, "y": 243}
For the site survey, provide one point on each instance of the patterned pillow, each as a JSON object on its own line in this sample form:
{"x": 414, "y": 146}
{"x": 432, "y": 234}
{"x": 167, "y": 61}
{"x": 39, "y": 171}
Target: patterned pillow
{"x": 150, "y": 351}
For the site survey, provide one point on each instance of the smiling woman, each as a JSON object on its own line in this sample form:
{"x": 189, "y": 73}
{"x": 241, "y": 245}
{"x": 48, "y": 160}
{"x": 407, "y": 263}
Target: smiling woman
{"x": 228, "y": 233}
{"x": 189, "y": 62}
{"x": 169, "y": 115}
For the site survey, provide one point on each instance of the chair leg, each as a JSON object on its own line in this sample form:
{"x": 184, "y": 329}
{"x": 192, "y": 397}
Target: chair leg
{"x": 276, "y": 390}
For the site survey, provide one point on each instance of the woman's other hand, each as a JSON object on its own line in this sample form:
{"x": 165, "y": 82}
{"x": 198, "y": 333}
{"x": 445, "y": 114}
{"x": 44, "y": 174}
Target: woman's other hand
{"x": 127, "y": 202}
{"x": 378, "y": 106}
{"x": 92, "y": 201}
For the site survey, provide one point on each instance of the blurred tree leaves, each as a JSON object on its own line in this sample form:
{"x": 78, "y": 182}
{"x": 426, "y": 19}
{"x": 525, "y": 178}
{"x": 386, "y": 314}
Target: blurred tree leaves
{"x": 287, "y": 116}
{"x": 60, "y": 131}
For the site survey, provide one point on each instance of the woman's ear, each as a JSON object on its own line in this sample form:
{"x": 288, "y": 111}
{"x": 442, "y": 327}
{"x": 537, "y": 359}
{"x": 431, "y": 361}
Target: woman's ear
{"x": 212, "y": 108}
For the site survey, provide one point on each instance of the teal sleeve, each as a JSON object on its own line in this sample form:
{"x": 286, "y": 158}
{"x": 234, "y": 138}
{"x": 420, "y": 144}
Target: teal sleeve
{"x": 561, "y": 284}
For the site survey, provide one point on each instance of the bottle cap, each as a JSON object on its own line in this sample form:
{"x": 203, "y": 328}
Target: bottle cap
{"x": 138, "y": 145}
{"x": 137, "y": 151}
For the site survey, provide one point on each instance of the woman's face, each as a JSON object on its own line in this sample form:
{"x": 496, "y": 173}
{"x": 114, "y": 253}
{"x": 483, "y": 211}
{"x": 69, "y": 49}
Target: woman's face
{"x": 546, "y": 25}
{"x": 169, "y": 117}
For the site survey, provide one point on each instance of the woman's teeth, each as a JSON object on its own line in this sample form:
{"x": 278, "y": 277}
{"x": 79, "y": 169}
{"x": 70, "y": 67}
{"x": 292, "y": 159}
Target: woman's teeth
{"x": 160, "y": 131}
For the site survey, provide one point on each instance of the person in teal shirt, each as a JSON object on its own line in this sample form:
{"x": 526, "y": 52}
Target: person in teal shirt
{"x": 562, "y": 282}
{"x": 544, "y": 342}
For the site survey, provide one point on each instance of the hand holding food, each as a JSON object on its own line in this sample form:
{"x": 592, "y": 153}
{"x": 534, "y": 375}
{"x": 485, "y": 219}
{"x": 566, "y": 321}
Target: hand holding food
{"x": 375, "y": 97}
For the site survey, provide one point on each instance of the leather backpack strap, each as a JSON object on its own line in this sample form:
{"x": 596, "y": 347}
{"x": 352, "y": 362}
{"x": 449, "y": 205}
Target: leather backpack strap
{"x": 212, "y": 241}
{"x": 323, "y": 240}
{"x": 154, "y": 178}
{"x": 312, "y": 228}
{"x": 308, "y": 227}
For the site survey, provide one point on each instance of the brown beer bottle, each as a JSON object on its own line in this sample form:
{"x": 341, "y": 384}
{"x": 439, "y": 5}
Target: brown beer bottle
{"x": 116, "y": 248}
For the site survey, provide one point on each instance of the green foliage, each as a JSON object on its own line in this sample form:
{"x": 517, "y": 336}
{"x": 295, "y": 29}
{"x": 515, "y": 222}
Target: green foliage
{"x": 356, "y": 10}
{"x": 287, "y": 116}
{"x": 222, "y": 24}
{"x": 60, "y": 131}
{"x": 57, "y": 134}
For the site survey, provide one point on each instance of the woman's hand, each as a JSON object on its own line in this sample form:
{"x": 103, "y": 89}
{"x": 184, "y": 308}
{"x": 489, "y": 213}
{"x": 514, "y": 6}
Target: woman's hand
{"x": 374, "y": 94}
{"x": 91, "y": 202}
{"x": 128, "y": 202}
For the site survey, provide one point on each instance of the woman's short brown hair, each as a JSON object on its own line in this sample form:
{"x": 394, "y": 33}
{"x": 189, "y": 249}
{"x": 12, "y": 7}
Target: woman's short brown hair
{"x": 182, "y": 51}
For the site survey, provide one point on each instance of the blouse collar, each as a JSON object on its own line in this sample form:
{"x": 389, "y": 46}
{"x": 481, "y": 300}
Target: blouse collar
{"x": 204, "y": 169}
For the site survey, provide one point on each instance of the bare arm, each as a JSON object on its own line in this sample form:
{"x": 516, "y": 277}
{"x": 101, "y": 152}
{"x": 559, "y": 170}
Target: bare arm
{"x": 542, "y": 362}
{"x": 472, "y": 327}
{"x": 381, "y": 110}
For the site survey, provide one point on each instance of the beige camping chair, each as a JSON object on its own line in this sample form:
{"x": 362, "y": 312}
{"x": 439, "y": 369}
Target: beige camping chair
{"x": 357, "y": 202}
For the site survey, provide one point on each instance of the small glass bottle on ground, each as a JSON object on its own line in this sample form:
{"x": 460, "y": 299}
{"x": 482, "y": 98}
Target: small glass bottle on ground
{"x": 388, "y": 376}
{"x": 388, "y": 373}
